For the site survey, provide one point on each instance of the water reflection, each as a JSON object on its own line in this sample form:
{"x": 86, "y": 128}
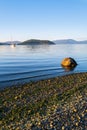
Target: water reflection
{"x": 35, "y": 48}
{"x": 69, "y": 68}
{"x": 73, "y": 50}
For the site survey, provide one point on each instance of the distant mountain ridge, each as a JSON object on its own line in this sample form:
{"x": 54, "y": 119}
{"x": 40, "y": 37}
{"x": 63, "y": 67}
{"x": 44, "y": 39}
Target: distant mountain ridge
{"x": 69, "y": 41}
{"x": 14, "y": 42}
{"x": 9, "y": 42}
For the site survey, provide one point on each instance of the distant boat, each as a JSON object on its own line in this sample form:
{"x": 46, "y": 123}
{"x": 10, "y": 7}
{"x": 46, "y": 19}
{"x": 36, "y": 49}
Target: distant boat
{"x": 13, "y": 45}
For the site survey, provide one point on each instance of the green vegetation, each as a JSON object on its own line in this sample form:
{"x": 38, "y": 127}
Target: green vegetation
{"x": 28, "y": 106}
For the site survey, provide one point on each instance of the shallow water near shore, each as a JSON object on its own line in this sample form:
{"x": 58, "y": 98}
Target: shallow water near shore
{"x": 21, "y": 64}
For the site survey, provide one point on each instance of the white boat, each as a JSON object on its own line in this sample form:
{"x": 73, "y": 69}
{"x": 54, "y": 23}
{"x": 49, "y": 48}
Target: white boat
{"x": 13, "y": 45}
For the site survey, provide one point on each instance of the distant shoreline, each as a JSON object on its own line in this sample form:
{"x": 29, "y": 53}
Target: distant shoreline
{"x": 41, "y": 42}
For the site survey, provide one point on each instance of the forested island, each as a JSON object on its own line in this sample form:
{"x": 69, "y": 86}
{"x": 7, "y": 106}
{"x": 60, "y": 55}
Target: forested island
{"x": 37, "y": 42}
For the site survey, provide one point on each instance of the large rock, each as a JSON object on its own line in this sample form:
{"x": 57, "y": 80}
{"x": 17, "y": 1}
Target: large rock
{"x": 68, "y": 62}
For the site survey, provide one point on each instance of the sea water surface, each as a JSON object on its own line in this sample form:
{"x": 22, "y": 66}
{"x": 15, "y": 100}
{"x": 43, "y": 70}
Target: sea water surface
{"x": 22, "y": 64}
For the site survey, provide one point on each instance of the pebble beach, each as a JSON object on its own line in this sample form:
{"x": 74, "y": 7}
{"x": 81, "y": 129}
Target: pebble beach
{"x": 54, "y": 104}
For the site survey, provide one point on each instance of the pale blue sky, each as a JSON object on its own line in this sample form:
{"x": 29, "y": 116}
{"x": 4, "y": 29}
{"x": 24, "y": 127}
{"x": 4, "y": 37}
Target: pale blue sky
{"x": 43, "y": 19}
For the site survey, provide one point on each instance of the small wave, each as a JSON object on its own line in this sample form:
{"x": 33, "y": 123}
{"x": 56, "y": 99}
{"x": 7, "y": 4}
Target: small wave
{"x": 33, "y": 77}
{"x": 35, "y": 71}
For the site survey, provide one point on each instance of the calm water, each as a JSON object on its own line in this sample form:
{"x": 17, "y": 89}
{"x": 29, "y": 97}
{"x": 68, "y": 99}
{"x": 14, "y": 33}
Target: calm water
{"x": 22, "y": 64}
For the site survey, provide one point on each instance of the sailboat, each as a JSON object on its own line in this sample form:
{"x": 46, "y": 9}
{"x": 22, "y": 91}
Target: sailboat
{"x": 13, "y": 45}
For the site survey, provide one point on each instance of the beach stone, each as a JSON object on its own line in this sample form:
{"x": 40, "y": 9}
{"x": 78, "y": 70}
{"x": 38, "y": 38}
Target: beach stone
{"x": 68, "y": 62}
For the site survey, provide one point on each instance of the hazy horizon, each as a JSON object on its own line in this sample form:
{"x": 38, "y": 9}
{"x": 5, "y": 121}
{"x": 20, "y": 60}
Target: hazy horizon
{"x": 47, "y": 19}
{"x": 45, "y": 39}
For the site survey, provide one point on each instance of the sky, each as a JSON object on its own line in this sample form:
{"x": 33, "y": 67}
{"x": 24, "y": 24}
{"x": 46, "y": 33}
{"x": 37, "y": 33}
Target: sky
{"x": 43, "y": 19}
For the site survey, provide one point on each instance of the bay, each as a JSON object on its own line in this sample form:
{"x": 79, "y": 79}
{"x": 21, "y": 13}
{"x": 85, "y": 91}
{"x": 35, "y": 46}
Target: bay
{"x": 22, "y": 64}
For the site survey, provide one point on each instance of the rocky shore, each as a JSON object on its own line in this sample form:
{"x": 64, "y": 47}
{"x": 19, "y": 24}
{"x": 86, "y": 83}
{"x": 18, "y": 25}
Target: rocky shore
{"x": 55, "y": 104}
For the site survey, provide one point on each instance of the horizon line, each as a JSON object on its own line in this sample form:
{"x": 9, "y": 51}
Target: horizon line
{"x": 47, "y": 39}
